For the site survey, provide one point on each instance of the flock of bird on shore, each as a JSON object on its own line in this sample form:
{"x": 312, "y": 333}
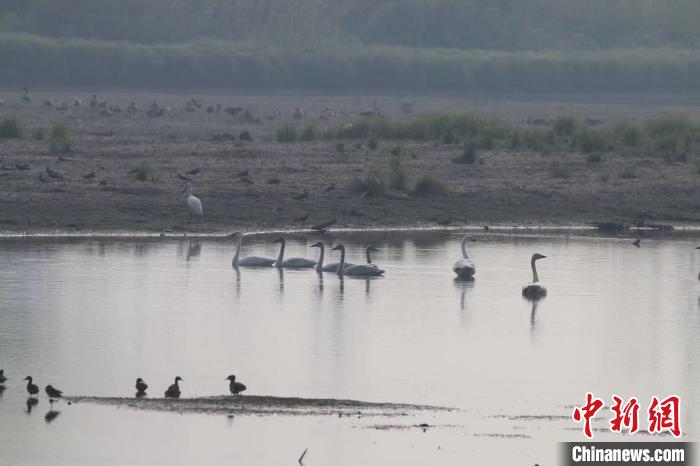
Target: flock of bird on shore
{"x": 173, "y": 391}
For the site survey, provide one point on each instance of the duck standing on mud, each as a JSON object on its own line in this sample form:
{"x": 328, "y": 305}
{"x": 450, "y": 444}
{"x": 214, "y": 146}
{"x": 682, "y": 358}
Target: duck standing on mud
{"x": 31, "y": 388}
{"x": 235, "y": 387}
{"x": 141, "y": 387}
{"x": 173, "y": 391}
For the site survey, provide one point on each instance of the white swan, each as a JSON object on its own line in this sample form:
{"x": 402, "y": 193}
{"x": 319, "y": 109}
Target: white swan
{"x": 355, "y": 270}
{"x": 320, "y": 267}
{"x": 294, "y": 263}
{"x": 535, "y": 290}
{"x": 193, "y": 203}
{"x": 250, "y": 261}
{"x": 465, "y": 267}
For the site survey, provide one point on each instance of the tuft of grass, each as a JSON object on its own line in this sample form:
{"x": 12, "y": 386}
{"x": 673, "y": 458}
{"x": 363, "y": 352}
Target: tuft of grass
{"x": 628, "y": 134}
{"x": 340, "y": 148}
{"x": 11, "y": 128}
{"x": 60, "y": 138}
{"x": 560, "y": 170}
{"x": 594, "y": 157}
{"x": 396, "y": 150}
{"x": 398, "y": 174}
{"x": 372, "y": 143}
{"x": 430, "y": 185}
{"x": 468, "y": 154}
{"x": 628, "y": 174}
{"x": 39, "y": 134}
{"x": 287, "y": 133}
{"x": 142, "y": 172}
{"x": 370, "y": 185}
{"x": 308, "y": 133}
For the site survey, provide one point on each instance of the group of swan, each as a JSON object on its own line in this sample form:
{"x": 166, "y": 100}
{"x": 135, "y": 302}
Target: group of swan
{"x": 341, "y": 268}
{"x": 465, "y": 269}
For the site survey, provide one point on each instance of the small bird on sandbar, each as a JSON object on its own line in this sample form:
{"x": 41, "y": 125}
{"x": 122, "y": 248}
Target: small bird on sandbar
{"x": 141, "y": 386}
{"x": 31, "y": 388}
{"x": 235, "y": 387}
{"x": 173, "y": 391}
{"x": 52, "y": 392}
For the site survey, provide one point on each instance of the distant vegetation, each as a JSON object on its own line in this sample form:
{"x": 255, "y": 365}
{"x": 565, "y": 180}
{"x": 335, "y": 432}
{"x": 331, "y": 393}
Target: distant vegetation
{"x": 673, "y": 137}
{"x": 32, "y": 60}
{"x": 458, "y": 24}
{"x": 412, "y": 45}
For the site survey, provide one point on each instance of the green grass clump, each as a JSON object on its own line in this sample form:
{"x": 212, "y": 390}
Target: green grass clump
{"x": 594, "y": 157}
{"x": 398, "y": 174}
{"x": 372, "y": 143}
{"x": 429, "y": 184}
{"x": 628, "y": 134}
{"x": 142, "y": 172}
{"x": 287, "y": 133}
{"x": 60, "y": 138}
{"x": 370, "y": 185}
{"x": 308, "y": 133}
{"x": 39, "y": 134}
{"x": 468, "y": 154}
{"x": 11, "y": 128}
{"x": 628, "y": 174}
{"x": 340, "y": 148}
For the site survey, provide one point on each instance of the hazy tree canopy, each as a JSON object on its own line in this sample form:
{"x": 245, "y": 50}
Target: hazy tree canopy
{"x": 481, "y": 24}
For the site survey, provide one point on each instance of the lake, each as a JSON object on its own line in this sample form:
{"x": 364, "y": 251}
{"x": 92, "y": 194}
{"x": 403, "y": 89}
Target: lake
{"x": 90, "y": 315}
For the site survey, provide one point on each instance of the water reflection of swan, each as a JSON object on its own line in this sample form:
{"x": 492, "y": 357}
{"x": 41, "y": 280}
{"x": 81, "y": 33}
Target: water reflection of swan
{"x": 533, "y": 312}
{"x": 293, "y": 263}
{"x": 194, "y": 250}
{"x": 535, "y": 290}
{"x": 355, "y": 270}
{"x": 698, "y": 247}
{"x": 250, "y": 261}
{"x": 3, "y": 379}
{"x": 465, "y": 267}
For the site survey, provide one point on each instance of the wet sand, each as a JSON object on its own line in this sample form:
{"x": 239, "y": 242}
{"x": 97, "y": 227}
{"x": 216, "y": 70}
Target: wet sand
{"x": 263, "y": 406}
{"x": 263, "y": 184}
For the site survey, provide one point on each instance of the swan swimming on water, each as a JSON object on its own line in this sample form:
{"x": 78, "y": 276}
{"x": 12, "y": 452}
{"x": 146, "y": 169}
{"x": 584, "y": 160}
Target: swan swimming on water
{"x": 362, "y": 270}
{"x": 193, "y": 203}
{"x": 535, "y": 290}
{"x": 250, "y": 261}
{"x": 465, "y": 267}
{"x": 293, "y": 263}
{"x": 320, "y": 267}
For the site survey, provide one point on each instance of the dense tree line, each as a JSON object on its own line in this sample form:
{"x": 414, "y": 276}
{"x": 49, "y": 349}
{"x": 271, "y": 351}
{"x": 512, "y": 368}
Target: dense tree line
{"x": 471, "y": 24}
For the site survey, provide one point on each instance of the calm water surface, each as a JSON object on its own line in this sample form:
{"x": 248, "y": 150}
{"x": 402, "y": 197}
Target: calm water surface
{"x": 89, "y": 316}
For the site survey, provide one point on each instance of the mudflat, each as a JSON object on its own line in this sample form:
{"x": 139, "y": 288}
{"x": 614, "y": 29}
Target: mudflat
{"x": 126, "y": 170}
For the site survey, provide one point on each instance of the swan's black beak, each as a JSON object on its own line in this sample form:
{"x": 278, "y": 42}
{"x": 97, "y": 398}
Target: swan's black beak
{"x": 373, "y": 249}
{"x": 338, "y": 247}
{"x": 278, "y": 240}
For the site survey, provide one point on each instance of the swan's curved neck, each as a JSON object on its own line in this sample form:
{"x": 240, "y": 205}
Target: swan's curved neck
{"x": 321, "y": 252}
{"x": 341, "y": 266}
{"x": 280, "y": 257}
{"x": 535, "y": 278}
{"x": 369, "y": 257}
{"x": 237, "y": 257}
{"x": 464, "y": 248}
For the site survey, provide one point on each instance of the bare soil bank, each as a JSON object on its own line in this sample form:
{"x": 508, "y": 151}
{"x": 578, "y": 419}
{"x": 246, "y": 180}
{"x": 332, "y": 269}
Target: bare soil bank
{"x": 127, "y": 170}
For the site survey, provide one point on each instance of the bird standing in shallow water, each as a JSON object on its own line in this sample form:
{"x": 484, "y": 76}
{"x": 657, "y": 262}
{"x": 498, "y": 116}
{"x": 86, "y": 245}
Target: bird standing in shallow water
{"x": 31, "y": 388}
{"x": 193, "y": 203}
{"x": 235, "y": 387}
{"x": 141, "y": 386}
{"x": 637, "y": 242}
{"x": 173, "y": 391}
{"x": 53, "y": 393}
{"x": 3, "y": 379}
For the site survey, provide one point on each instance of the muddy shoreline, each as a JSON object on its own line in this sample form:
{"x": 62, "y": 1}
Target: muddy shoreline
{"x": 127, "y": 171}
{"x": 262, "y": 406}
